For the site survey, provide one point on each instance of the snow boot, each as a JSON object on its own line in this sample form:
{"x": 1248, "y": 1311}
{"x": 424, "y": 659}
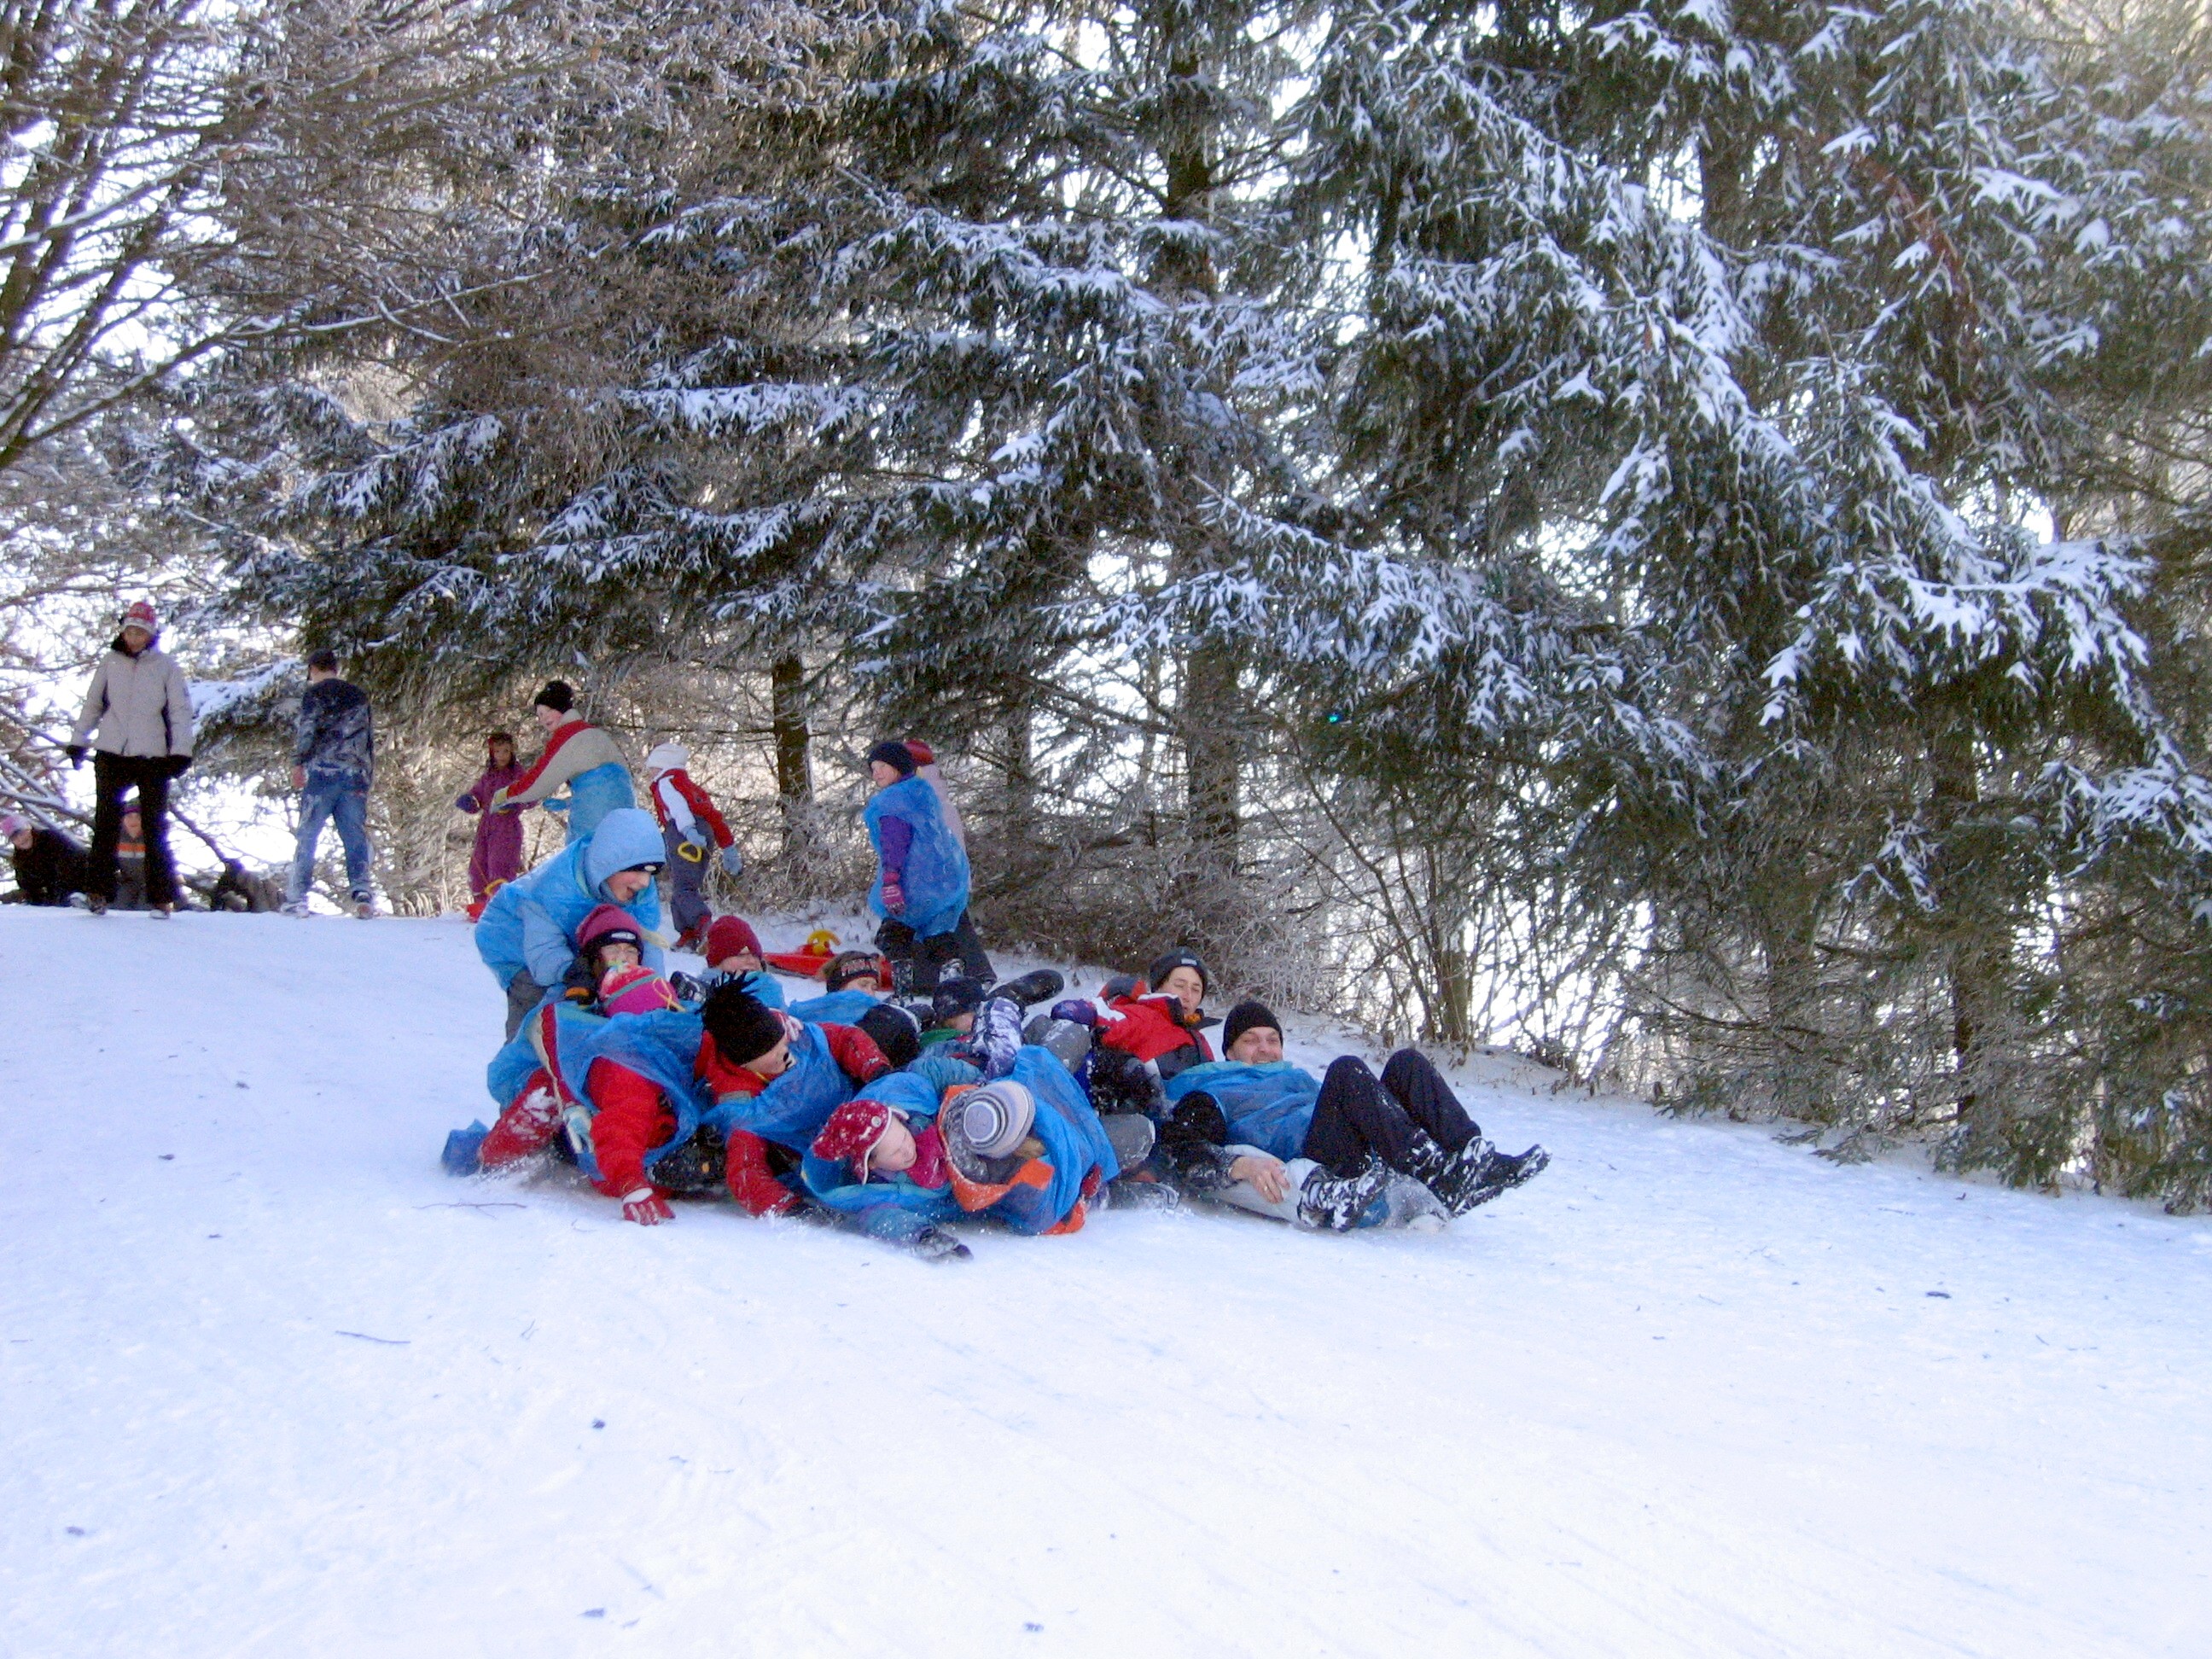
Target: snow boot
{"x": 525, "y": 1128}
{"x": 1454, "y": 1177}
{"x": 1138, "y": 1193}
{"x": 1503, "y": 1172}
{"x": 364, "y": 907}
{"x": 1337, "y": 1204}
{"x": 1041, "y": 986}
{"x": 161, "y": 912}
{"x": 935, "y": 1244}
{"x": 998, "y": 1036}
{"x": 95, "y": 905}
{"x": 1132, "y": 1137}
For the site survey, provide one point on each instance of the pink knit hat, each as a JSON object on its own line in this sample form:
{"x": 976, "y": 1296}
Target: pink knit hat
{"x": 636, "y": 990}
{"x": 12, "y": 825}
{"x": 140, "y": 614}
{"x": 852, "y": 1134}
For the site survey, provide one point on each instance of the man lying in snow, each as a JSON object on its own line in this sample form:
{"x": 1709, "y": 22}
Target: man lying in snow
{"x": 918, "y": 1147}
{"x": 662, "y": 1103}
{"x": 528, "y": 936}
{"x": 1256, "y": 1131}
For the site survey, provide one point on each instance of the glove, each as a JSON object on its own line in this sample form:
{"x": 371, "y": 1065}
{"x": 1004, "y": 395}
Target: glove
{"x": 76, "y": 752}
{"x": 646, "y": 1207}
{"x": 935, "y": 1244}
{"x": 467, "y": 803}
{"x": 894, "y": 895}
{"x": 687, "y": 988}
{"x": 558, "y": 803}
{"x": 178, "y": 764}
{"x": 733, "y": 858}
{"x": 690, "y": 852}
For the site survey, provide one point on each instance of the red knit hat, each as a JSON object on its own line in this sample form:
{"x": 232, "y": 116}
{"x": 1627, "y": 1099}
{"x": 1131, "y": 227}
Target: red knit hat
{"x": 140, "y": 614}
{"x": 922, "y": 753}
{"x": 605, "y": 922}
{"x": 852, "y": 1134}
{"x": 728, "y": 935}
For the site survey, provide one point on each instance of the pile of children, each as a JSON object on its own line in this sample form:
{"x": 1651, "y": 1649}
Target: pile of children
{"x": 897, "y": 1116}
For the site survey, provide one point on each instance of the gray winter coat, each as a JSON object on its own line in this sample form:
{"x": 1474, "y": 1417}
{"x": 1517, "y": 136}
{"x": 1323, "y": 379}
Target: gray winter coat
{"x": 138, "y": 703}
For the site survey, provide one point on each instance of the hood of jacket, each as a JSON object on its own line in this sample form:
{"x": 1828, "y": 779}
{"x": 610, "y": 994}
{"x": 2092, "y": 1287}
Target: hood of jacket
{"x": 626, "y": 837}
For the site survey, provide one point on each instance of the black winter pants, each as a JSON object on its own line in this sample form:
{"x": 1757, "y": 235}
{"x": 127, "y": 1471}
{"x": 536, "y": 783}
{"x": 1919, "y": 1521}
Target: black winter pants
{"x": 113, "y": 777}
{"x": 1357, "y": 1115}
{"x": 922, "y": 961}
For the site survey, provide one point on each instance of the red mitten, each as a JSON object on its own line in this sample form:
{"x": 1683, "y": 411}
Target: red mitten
{"x": 646, "y": 1207}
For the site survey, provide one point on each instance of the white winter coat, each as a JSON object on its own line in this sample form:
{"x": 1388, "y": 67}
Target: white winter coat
{"x": 139, "y": 704}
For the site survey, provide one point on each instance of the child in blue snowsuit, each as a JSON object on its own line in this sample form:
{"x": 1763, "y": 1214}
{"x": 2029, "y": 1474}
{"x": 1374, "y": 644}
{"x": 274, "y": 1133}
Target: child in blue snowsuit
{"x": 920, "y": 890}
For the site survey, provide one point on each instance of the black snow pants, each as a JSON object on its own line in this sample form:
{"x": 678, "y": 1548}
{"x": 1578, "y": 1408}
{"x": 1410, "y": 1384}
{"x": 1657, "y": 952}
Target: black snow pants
{"x": 1356, "y": 1115}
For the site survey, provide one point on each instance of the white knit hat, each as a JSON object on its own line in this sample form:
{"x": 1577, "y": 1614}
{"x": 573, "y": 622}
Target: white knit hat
{"x": 670, "y": 757}
{"x": 993, "y": 1118}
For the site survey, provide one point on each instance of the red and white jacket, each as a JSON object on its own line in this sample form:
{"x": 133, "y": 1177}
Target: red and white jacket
{"x": 701, "y": 803}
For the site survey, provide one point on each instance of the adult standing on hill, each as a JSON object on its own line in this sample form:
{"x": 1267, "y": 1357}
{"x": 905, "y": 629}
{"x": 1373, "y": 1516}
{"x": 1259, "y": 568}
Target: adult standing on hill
{"x": 333, "y": 762}
{"x": 137, "y": 716}
{"x": 578, "y": 754}
{"x": 921, "y": 888}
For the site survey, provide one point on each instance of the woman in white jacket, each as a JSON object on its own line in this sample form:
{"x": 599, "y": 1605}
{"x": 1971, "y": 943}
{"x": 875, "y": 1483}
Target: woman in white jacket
{"x": 138, "y": 717}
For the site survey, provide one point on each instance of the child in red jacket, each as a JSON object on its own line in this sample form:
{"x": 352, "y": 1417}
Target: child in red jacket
{"x": 689, "y": 825}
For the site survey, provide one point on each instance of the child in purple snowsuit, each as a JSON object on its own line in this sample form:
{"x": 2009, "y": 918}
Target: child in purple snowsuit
{"x": 497, "y": 855}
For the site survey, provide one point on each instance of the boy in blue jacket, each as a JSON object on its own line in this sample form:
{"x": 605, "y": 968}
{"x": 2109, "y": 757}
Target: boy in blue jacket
{"x": 527, "y": 934}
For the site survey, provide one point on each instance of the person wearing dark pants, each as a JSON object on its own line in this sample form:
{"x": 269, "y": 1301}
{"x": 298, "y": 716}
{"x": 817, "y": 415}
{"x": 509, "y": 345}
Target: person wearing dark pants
{"x": 1249, "y": 1115}
{"x": 137, "y": 716}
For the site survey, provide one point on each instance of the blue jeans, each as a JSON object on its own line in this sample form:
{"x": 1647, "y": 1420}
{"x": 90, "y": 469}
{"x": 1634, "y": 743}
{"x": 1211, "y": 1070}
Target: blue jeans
{"x": 324, "y": 798}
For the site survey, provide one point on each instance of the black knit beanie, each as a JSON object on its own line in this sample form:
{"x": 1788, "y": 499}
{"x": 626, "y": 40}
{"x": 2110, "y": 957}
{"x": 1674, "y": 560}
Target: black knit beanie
{"x": 895, "y": 1031}
{"x": 847, "y": 966}
{"x": 894, "y": 755}
{"x": 743, "y": 1028}
{"x": 557, "y": 697}
{"x": 1162, "y": 966}
{"x": 1243, "y": 1018}
{"x": 956, "y": 997}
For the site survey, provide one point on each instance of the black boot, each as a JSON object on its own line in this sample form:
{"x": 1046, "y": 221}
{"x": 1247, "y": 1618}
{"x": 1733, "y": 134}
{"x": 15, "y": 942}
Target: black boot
{"x": 1505, "y": 1170}
{"x": 1336, "y": 1202}
{"x": 1041, "y": 986}
{"x": 1454, "y": 1177}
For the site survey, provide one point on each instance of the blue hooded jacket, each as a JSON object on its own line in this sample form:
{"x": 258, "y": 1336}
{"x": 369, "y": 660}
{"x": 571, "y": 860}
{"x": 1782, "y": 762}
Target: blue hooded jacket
{"x": 936, "y": 874}
{"x": 532, "y": 921}
{"x": 1270, "y": 1107}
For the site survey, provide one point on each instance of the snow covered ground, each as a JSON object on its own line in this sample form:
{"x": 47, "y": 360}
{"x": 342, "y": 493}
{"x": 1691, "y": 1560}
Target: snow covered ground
{"x": 274, "y": 1384}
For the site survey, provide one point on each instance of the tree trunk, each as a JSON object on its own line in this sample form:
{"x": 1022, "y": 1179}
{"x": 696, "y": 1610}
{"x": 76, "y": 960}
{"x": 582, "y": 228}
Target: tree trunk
{"x": 795, "y": 772}
{"x": 1211, "y": 717}
{"x": 1975, "y": 956}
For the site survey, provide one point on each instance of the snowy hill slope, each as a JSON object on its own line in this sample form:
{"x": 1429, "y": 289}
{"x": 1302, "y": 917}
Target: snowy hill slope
{"x": 274, "y": 1384}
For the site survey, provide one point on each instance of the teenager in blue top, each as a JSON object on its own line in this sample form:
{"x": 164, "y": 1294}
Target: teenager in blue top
{"x": 1251, "y": 1116}
{"x": 921, "y": 888}
{"x": 527, "y": 935}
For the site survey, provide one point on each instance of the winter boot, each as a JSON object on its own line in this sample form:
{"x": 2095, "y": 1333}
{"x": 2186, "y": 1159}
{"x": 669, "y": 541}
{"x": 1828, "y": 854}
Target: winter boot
{"x": 523, "y": 1129}
{"x": 1131, "y": 1136}
{"x": 1138, "y": 1193}
{"x": 95, "y": 904}
{"x": 1454, "y": 1177}
{"x": 1338, "y": 1203}
{"x": 1041, "y": 986}
{"x": 998, "y": 1036}
{"x": 1503, "y": 1172}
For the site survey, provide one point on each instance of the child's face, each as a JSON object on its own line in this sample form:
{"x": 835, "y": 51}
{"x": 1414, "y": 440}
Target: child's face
{"x": 1185, "y": 987}
{"x": 743, "y": 962}
{"x": 503, "y": 754}
{"x": 895, "y": 1153}
{"x": 774, "y": 1063}
{"x": 21, "y": 840}
{"x": 961, "y": 1023}
{"x": 131, "y": 825}
{"x": 885, "y": 774}
{"x": 620, "y": 954}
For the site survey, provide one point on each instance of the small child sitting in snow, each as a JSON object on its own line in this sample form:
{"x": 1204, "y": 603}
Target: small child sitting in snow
{"x": 733, "y": 956}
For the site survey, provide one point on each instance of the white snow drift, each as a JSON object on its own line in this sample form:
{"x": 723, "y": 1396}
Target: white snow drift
{"x": 274, "y": 1384}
